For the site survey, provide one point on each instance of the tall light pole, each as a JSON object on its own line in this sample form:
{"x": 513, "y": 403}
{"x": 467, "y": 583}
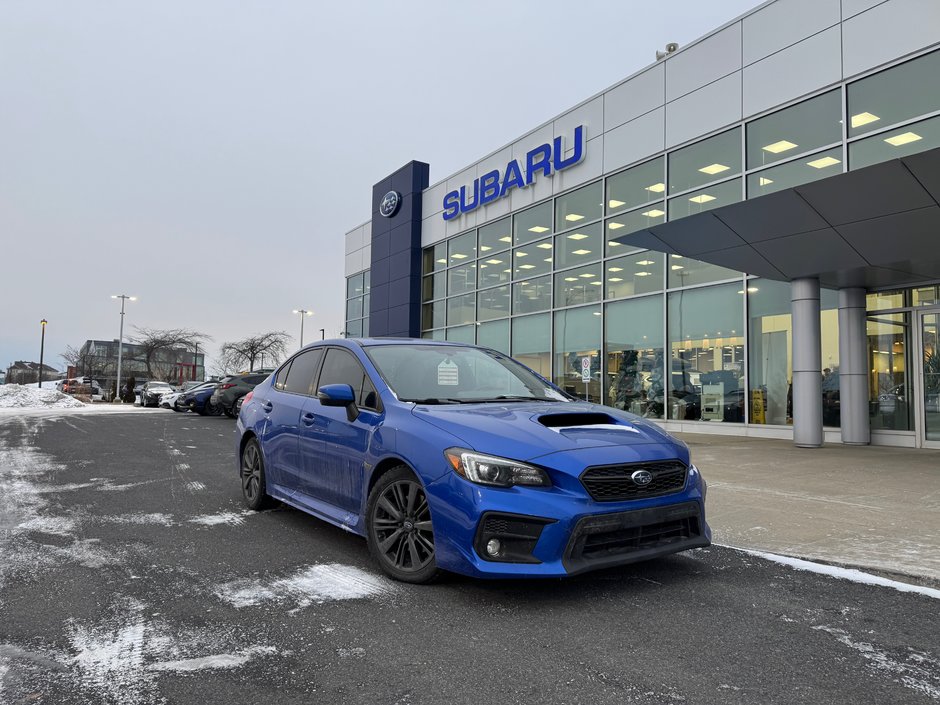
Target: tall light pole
{"x": 124, "y": 298}
{"x": 303, "y": 312}
{"x": 42, "y": 348}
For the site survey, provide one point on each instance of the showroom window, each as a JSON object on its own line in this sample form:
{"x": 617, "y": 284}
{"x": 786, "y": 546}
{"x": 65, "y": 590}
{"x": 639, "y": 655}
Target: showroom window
{"x": 434, "y": 286}
{"x": 493, "y": 303}
{"x": 435, "y": 258}
{"x": 829, "y": 331}
{"x": 770, "y": 337}
{"x": 495, "y": 335}
{"x": 581, "y": 206}
{"x": 799, "y": 171}
{"x": 494, "y": 269}
{"x": 532, "y": 259}
{"x": 578, "y": 336}
{"x": 578, "y": 246}
{"x": 532, "y": 342}
{"x": 634, "y": 345}
{"x": 495, "y": 237}
{"x": 461, "y": 309}
{"x": 532, "y": 223}
{"x": 889, "y": 386}
{"x": 701, "y": 163}
{"x": 462, "y": 279}
{"x": 641, "y": 184}
{"x": 795, "y": 130}
{"x": 897, "y": 94}
{"x": 706, "y": 199}
{"x": 358, "y": 287}
{"x": 893, "y": 144}
{"x": 706, "y": 339}
{"x": 462, "y": 334}
{"x": 579, "y": 286}
{"x": 462, "y": 248}
{"x": 433, "y": 315}
{"x": 631, "y": 221}
{"x": 639, "y": 273}
{"x": 532, "y": 295}
{"x": 684, "y": 271}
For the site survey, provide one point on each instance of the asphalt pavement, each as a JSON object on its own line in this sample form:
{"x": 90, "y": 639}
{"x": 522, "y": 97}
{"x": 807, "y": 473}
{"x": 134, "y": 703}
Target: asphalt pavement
{"x": 131, "y": 574}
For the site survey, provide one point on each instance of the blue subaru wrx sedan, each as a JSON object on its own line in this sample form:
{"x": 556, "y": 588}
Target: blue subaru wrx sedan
{"x": 452, "y": 457}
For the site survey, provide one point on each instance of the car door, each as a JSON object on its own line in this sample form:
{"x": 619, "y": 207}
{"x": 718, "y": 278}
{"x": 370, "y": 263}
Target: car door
{"x": 282, "y": 407}
{"x": 334, "y": 448}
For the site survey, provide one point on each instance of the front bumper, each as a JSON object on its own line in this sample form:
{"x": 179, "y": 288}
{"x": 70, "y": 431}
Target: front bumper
{"x": 569, "y": 533}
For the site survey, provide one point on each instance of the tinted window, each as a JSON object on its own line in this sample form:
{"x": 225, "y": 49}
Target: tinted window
{"x": 281, "y": 378}
{"x": 341, "y": 367}
{"x": 302, "y": 371}
{"x": 255, "y": 379}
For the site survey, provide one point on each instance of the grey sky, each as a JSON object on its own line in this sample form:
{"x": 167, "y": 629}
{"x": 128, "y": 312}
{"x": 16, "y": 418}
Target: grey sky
{"x": 209, "y": 156}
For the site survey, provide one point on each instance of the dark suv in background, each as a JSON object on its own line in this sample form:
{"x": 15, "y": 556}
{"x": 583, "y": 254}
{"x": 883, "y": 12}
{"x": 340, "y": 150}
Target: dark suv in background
{"x": 228, "y": 395}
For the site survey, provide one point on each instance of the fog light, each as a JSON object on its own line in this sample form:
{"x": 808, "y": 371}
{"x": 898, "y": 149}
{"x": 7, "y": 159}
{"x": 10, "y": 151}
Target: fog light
{"x": 493, "y": 547}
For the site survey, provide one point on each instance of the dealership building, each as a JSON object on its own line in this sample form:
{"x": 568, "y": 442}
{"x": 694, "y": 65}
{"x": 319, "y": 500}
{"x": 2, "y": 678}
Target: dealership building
{"x": 742, "y": 237}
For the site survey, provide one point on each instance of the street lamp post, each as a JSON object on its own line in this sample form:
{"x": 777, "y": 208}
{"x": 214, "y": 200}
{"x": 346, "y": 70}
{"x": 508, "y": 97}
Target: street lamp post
{"x": 303, "y": 312}
{"x": 42, "y": 348}
{"x": 124, "y": 298}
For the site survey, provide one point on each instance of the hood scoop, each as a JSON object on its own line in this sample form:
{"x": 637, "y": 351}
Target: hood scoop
{"x": 576, "y": 419}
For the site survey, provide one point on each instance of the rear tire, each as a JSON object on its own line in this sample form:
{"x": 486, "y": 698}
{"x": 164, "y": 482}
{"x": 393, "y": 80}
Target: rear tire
{"x": 253, "y": 481}
{"x": 398, "y": 528}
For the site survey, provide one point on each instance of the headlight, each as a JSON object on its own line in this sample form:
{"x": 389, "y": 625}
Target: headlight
{"x": 492, "y": 470}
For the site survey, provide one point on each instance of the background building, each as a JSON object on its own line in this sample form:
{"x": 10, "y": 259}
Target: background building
{"x": 22, "y": 372}
{"x": 98, "y": 359}
{"x": 745, "y": 239}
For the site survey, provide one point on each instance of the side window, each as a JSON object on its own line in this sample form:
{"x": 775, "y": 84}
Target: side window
{"x": 302, "y": 370}
{"x": 341, "y": 367}
{"x": 281, "y": 378}
{"x": 256, "y": 379}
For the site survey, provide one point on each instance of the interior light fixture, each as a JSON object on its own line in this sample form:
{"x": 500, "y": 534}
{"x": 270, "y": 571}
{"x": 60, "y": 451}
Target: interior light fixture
{"x": 777, "y": 147}
{"x": 614, "y": 226}
{"x": 485, "y": 248}
{"x": 547, "y": 259}
{"x": 483, "y": 266}
{"x": 458, "y": 255}
{"x": 494, "y": 261}
{"x": 763, "y": 181}
{"x": 544, "y": 245}
{"x": 643, "y": 274}
{"x": 505, "y": 238}
{"x": 522, "y": 254}
{"x": 751, "y": 290}
{"x": 614, "y": 279}
{"x": 597, "y": 283}
{"x": 614, "y": 203}
{"x": 571, "y": 279}
{"x": 676, "y": 267}
{"x": 587, "y": 275}
{"x": 655, "y": 213}
{"x": 442, "y": 261}
{"x": 574, "y": 217}
{"x": 538, "y": 229}
{"x": 613, "y": 243}
{"x": 702, "y": 198}
{"x": 615, "y": 269}
{"x": 823, "y": 162}
{"x": 676, "y": 256}
{"x": 645, "y": 262}
{"x": 578, "y": 236}
{"x": 712, "y": 169}
{"x": 597, "y": 313}
{"x": 581, "y": 252}
{"x": 656, "y": 188}
{"x": 863, "y": 119}
{"x": 526, "y": 266}
{"x": 903, "y": 138}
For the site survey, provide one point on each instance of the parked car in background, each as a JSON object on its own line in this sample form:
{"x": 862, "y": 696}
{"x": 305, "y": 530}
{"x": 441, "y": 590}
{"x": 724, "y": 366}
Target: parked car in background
{"x": 231, "y": 390}
{"x": 151, "y": 392}
{"x": 199, "y": 400}
{"x": 171, "y": 400}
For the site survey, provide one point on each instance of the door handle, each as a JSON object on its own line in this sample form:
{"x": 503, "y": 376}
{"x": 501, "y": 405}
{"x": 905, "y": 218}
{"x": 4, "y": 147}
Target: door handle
{"x": 267, "y": 406}
{"x": 308, "y": 419}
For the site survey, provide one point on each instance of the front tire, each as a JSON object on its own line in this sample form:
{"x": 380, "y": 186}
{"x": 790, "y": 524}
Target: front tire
{"x": 398, "y": 527}
{"x": 253, "y": 480}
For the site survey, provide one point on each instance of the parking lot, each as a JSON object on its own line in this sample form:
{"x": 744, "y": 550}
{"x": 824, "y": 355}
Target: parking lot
{"x": 131, "y": 574}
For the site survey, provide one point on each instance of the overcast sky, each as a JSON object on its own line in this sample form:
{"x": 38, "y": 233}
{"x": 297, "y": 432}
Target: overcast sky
{"x": 208, "y": 156}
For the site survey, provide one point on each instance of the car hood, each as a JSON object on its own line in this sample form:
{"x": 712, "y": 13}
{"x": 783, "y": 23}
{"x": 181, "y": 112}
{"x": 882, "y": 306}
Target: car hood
{"x": 529, "y": 430}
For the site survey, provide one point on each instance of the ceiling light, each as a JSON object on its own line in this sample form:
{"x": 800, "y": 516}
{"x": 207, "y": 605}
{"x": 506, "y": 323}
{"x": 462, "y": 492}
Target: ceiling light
{"x": 751, "y": 289}
{"x": 483, "y": 266}
{"x": 458, "y": 256}
{"x": 903, "y": 138}
{"x": 703, "y": 198}
{"x": 614, "y": 203}
{"x": 656, "y": 188}
{"x": 522, "y": 254}
{"x": 677, "y": 267}
{"x": 485, "y": 248}
{"x": 676, "y": 256}
{"x": 645, "y": 262}
{"x": 526, "y": 266}
{"x": 643, "y": 274}
{"x": 823, "y": 162}
{"x": 763, "y": 181}
{"x": 578, "y": 236}
{"x": 494, "y": 261}
{"x": 574, "y": 217}
{"x": 613, "y": 243}
{"x": 714, "y": 169}
{"x": 597, "y": 313}
{"x": 863, "y": 119}
{"x": 547, "y": 259}
{"x": 614, "y": 226}
{"x": 597, "y": 283}
{"x": 442, "y": 261}
{"x": 571, "y": 279}
{"x": 614, "y": 279}
{"x": 538, "y": 229}
{"x": 544, "y": 246}
{"x": 655, "y": 213}
{"x": 505, "y": 238}
{"x": 777, "y": 147}
{"x": 615, "y": 269}
{"x": 587, "y": 275}
{"x": 581, "y": 252}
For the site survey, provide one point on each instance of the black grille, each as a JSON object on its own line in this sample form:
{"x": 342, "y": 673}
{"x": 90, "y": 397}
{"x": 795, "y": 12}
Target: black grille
{"x": 638, "y": 538}
{"x": 517, "y": 534}
{"x": 613, "y": 483}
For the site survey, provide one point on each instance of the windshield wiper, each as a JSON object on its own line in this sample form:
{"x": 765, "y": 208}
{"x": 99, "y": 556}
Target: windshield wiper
{"x": 509, "y": 397}
{"x": 435, "y": 400}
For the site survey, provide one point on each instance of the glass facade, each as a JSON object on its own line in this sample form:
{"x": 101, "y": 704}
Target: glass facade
{"x": 358, "y": 288}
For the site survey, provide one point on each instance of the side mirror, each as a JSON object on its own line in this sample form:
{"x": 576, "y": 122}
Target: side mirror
{"x": 339, "y": 395}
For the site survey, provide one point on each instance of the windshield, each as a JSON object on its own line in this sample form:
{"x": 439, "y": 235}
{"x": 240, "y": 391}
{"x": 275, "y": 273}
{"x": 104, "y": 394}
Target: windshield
{"x": 453, "y": 374}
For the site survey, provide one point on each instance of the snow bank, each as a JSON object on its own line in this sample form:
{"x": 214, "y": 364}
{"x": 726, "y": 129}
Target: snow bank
{"x": 17, "y": 396}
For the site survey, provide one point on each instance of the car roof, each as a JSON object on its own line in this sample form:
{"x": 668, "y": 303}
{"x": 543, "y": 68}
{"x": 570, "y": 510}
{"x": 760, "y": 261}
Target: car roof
{"x": 367, "y": 342}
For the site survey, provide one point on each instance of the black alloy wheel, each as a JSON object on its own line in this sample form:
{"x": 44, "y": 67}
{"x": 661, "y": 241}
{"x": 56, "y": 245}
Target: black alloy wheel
{"x": 231, "y": 411}
{"x": 400, "y": 534}
{"x": 254, "y": 486}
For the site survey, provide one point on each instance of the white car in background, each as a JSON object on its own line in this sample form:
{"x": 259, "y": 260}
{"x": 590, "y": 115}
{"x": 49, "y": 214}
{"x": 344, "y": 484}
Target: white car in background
{"x": 168, "y": 401}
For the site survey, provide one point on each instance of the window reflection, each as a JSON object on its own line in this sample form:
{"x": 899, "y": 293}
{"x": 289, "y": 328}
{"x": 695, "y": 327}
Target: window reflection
{"x": 494, "y": 269}
{"x": 580, "y": 206}
{"x": 532, "y": 342}
{"x": 799, "y": 171}
{"x": 532, "y": 295}
{"x": 896, "y": 94}
{"x": 630, "y": 222}
{"x": 433, "y": 315}
{"x": 532, "y": 259}
{"x": 532, "y": 223}
{"x": 803, "y": 127}
{"x": 578, "y": 246}
{"x": 579, "y": 286}
{"x": 893, "y": 144}
{"x": 710, "y": 160}
{"x": 578, "y": 337}
{"x": 495, "y": 237}
{"x": 495, "y": 335}
{"x": 684, "y": 271}
{"x": 462, "y": 334}
{"x": 462, "y": 248}
{"x": 770, "y": 332}
{"x": 462, "y": 279}
{"x": 706, "y": 199}
{"x": 639, "y": 273}
{"x": 634, "y": 339}
{"x": 461, "y": 309}
{"x": 493, "y": 303}
{"x": 435, "y": 258}
{"x": 889, "y": 386}
{"x": 641, "y": 184}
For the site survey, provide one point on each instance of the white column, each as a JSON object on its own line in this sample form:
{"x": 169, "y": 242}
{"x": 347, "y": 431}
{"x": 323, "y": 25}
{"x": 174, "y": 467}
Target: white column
{"x": 807, "y": 364}
{"x": 853, "y": 367}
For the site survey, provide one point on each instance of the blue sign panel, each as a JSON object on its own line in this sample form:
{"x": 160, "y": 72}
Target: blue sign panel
{"x": 545, "y": 159}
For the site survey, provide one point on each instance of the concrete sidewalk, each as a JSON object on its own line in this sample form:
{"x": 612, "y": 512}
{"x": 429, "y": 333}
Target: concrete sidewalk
{"x": 874, "y": 508}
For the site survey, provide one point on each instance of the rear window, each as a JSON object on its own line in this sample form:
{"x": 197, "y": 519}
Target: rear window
{"x": 255, "y": 379}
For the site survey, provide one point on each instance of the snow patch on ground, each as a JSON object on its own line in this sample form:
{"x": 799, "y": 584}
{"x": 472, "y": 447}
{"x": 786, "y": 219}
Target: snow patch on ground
{"x": 140, "y": 518}
{"x": 314, "y": 584}
{"x": 230, "y": 518}
{"x": 61, "y": 526}
{"x": 17, "y": 396}
{"x": 856, "y": 576}
{"x": 195, "y": 486}
{"x": 215, "y": 661}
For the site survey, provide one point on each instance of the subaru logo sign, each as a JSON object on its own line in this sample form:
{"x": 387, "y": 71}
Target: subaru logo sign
{"x": 389, "y": 205}
{"x": 642, "y": 477}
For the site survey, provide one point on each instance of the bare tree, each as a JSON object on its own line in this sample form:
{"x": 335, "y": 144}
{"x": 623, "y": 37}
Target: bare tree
{"x": 271, "y": 346}
{"x": 164, "y": 350}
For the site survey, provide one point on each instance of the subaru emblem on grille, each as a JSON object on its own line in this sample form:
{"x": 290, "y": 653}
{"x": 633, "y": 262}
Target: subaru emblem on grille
{"x": 642, "y": 477}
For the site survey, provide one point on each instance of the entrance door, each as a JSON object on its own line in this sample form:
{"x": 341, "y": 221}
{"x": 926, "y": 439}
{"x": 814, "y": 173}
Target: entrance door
{"x": 927, "y": 378}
